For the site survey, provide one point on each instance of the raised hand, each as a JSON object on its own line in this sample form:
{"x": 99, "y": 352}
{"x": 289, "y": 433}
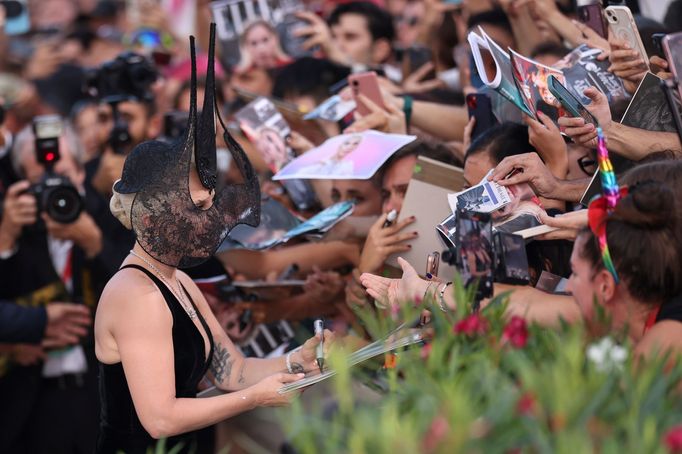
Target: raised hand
{"x": 586, "y": 134}
{"x": 396, "y": 291}
{"x": 383, "y": 241}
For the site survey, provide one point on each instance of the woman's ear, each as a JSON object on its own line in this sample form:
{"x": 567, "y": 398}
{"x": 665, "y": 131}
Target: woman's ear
{"x": 605, "y": 286}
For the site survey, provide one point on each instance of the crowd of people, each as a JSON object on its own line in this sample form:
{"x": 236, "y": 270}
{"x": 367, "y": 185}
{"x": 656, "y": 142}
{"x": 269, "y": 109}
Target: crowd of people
{"x": 122, "y": 294}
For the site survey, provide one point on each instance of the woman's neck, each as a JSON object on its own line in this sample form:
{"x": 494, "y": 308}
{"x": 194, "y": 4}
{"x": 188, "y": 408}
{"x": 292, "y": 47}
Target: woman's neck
{"x": 633, "y": 317}
{"x": 167, "y": 271}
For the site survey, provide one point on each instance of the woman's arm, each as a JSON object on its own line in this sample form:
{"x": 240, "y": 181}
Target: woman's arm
{"x": 141, "y": 326}
{"x": 258, "y": 264}
{"x": 229, "y": 369}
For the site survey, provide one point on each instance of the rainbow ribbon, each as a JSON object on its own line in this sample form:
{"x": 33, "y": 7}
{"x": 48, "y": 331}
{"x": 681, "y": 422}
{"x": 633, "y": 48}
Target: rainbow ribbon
{"x": 601, "y": 207}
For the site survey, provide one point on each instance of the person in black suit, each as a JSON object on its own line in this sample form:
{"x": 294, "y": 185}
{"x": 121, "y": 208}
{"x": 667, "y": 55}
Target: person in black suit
{"x": 42, "y": 262}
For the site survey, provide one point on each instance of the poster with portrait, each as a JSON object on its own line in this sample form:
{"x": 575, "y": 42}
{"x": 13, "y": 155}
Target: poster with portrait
{"x": 267, "y": 129}
{"x": 345, "y": 157}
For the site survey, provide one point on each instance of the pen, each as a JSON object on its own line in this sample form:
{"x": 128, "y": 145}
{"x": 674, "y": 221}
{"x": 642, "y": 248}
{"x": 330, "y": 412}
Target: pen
{"x": 390, "y": 218}
{"x": 319, "y": 330}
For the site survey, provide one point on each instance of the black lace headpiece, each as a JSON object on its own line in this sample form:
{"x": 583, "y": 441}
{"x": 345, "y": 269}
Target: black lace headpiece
{"x": 167, "y": 223}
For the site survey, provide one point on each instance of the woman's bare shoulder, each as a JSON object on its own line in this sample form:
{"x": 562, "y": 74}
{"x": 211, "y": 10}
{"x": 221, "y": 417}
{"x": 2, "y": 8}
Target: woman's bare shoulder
{"x": 663, "y": 337}
{"x": 127, "y": 289}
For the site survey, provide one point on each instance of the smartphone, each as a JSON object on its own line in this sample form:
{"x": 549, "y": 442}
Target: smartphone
{"x": 293, "y": 45}
{"x": 366, "y": 84}
{"x": 432, "y": 263}
{"x": 17, "y": 20}
{"x": 413, "y": 58}
{"x": 475, "y": 254}
{"x": 622, "y": 25}
{"x": 593, "y": 16}
{"x": 672, "y": 48}
{"x": 480, "y": 107}
{"x": 570, "y": 102}
{"x": 657, "y": 41}
{"x": 511, "y": 260}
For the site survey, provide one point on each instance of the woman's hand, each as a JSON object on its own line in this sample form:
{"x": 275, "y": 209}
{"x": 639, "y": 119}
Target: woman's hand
{"x": 299, "y": 143}
{"x": 546, "y": 138}
{"x": 323, "y": 285}
{"x": 627, "y": 63}
{"x": 307, "y": 357}
{"x": 356, "y": 296}
{"x": 568, "y": 225}
{"x": 382, "y": 242}
{"x": 390, "y": 120}
{"x": 266, "y": 392}
{"x": 396, "y": 291}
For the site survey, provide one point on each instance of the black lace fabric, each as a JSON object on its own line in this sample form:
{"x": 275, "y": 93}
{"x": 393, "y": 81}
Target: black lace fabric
{"x": 167, "y": 223}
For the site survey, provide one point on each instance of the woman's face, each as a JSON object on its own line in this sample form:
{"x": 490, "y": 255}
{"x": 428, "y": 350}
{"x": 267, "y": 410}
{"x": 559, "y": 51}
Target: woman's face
{"x": 366, "y": 195}
{"x": 582, "y": 284}
{"x": 348, "y": 146}
{"x": 273, "y": 148}
{"x": 261, "y": 44}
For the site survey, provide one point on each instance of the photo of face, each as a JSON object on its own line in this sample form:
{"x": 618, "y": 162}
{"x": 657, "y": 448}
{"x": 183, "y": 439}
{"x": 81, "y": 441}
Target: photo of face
{"x": 272, "y": 148}
{"x": 347, "y": 147}
{"x": 261, "y": 44}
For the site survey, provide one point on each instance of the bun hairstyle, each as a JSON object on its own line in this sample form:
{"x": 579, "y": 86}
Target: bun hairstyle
{"x": 120, "y": 206}
{"x": 644, "y": 241}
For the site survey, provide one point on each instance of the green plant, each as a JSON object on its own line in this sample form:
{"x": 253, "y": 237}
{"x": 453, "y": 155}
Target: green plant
{"x": 486, "y": 384}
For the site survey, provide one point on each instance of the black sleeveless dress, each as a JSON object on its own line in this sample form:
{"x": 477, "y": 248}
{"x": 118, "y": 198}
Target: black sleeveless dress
{"x": 120, "y": 428}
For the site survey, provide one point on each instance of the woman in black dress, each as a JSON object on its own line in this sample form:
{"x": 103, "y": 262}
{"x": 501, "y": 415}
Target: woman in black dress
{"x": 155, "y": 334}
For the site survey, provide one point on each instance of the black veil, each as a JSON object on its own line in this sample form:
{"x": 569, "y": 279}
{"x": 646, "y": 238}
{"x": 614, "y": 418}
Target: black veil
{"x": 167, "y": 223}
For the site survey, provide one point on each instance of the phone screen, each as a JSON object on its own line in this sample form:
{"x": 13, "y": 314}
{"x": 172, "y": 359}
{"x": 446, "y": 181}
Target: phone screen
{"x": 570, "y": 102}
{"x": 475, "y": 251}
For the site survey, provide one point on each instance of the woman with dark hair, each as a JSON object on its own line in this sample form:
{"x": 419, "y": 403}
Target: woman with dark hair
{"x": 642, "y": 294}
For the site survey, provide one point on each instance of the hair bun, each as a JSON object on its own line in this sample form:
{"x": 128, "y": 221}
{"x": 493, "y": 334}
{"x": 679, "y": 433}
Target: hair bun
{"x": 649, "y": 205}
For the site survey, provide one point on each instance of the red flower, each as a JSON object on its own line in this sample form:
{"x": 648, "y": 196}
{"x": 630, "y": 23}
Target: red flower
{"x": 673, "y": 440}
{"x": 472, "y": 325}
{"x": 435, "y": 434}
{"x": 425, "y": 352}
{"x": 516, "y": 332}
{"x": 525, "y": 405}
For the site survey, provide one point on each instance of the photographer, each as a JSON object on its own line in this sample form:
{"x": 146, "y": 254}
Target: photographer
{"x": 45, "y": 238}
{"x": 127, "y": 117}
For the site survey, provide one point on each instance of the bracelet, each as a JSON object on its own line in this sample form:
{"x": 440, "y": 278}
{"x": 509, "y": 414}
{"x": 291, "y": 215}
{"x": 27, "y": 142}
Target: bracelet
{"x": 441, "y": 297}
{"x": 407, "y": 109}
{"x": 288, "y": 359}
{"x": 428, "y": 288}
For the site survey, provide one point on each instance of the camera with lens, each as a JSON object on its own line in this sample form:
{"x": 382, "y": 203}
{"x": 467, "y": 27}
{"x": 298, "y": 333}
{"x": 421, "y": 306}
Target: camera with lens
{"x": 55, "y": 194}
{"x": 128, "y": 77}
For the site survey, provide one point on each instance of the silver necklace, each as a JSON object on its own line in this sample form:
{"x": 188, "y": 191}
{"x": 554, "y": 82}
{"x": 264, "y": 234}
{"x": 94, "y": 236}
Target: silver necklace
{"x": 187, "y": 307}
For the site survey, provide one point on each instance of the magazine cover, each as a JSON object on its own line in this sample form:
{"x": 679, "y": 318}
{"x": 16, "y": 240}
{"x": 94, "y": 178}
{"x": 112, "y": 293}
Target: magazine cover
{"x": 531, "y": 81}
{"x": 275, "y": 221}
{"x": 266, "y": 129}
{"x": 345, "y": 157}
{"x": 582, "y": 70}
{"x": 273, "y": 234}
{"x": 495, "y": 68}
{"x": 332, "y": 109}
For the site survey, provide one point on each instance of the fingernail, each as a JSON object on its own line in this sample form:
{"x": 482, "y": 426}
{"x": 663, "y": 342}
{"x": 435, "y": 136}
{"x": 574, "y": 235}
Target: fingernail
{"x": 409, "y": 246}
{"x": 413, "y": 218}
{"x": 415, "y": 233}
{"x": 429, "y": 276}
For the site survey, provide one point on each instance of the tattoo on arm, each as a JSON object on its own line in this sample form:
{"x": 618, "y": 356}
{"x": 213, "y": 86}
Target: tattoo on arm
{"x": 221, "y": 365}
{"x": 241, "y": 372}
